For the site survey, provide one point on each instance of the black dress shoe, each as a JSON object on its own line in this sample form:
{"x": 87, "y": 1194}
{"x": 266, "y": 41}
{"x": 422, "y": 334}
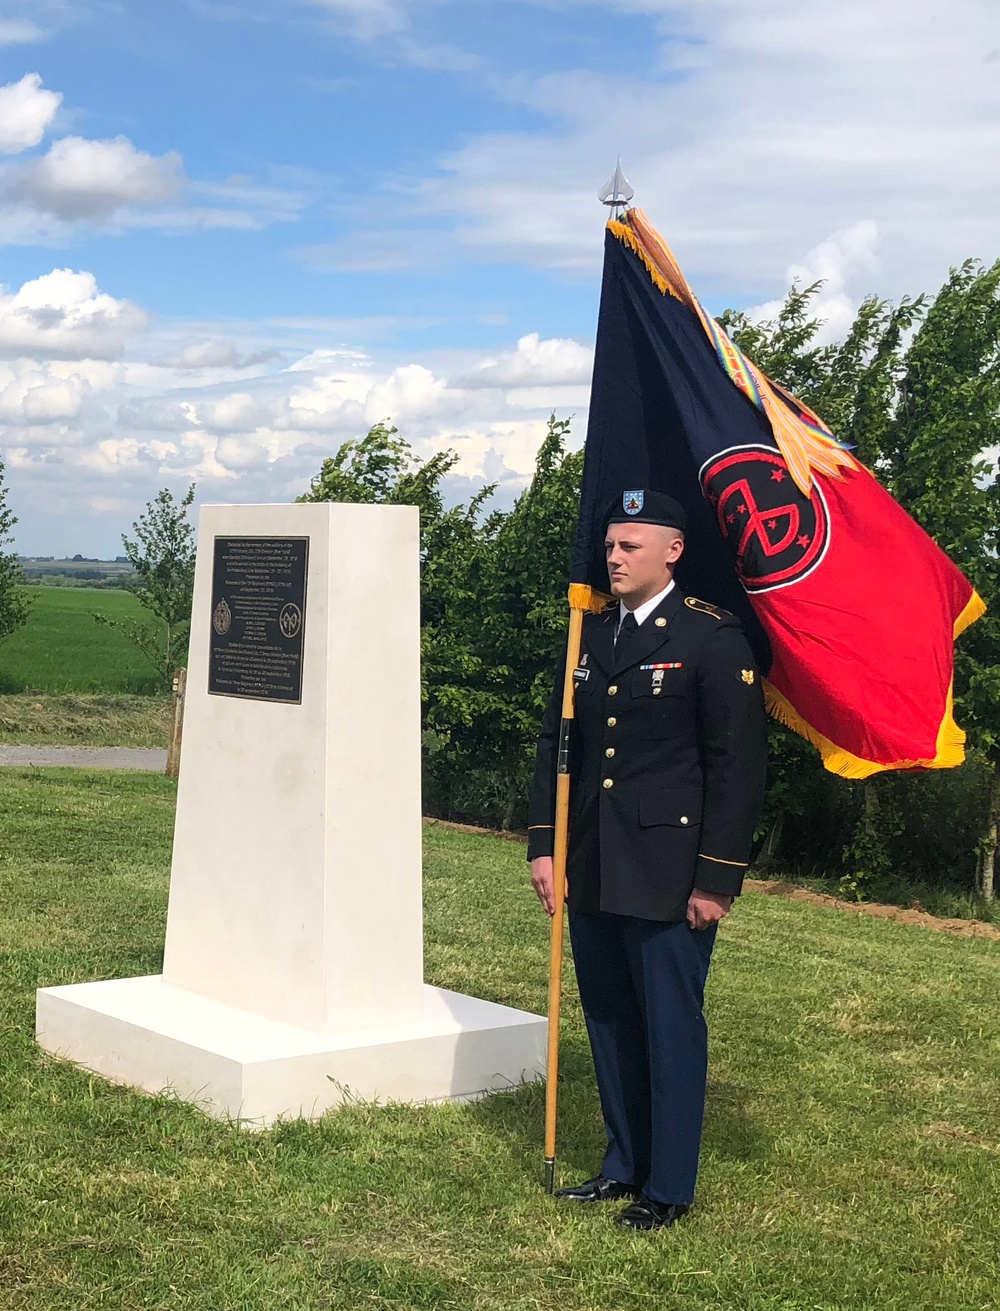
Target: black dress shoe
{"x": 600, "y": 1189}
{"x": 644, "y": 1213}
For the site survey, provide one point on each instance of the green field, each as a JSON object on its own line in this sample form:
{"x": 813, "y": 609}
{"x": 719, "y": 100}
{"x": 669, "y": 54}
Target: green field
{"x": 851, "y": 1143}
{"x": 91, "y": 719}
{"x": 63, "y": 649}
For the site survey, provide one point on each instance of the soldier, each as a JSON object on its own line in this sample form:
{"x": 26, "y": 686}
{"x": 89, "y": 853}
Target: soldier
{"x": 667, "y": 756}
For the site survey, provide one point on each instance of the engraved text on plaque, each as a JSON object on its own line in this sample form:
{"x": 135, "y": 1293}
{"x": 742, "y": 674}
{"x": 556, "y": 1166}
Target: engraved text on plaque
{"x": 258, "y": 617}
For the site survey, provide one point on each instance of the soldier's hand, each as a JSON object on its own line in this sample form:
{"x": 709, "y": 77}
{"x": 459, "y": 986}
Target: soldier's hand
{"x": 706, "y": 908}
{"x": 543, "y": 881}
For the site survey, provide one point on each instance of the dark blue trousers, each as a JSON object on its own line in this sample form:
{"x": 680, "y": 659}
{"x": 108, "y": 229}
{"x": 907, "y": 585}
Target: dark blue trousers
{"x": 642, "y": 985}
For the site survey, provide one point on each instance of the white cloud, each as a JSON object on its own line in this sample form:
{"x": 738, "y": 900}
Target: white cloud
{"x": 80, "y": 183}
{"x": 19, "y": 32}
{"x": 26, "y": 110}
{"x": 81, "y": 179}
{"x": 81, "y": 432}
{"x": 848, "y": 256}
{"x": 366, "y": 19}
{"x": 216, "y": 353}
{"x": 750, "y": 133}
{"x": 38, "y": 398}
{"x": 388, "y": 24}
{"x": 237, "y": 412}
{"x": 557, "y": 360}
{"x": 63, "y": 315}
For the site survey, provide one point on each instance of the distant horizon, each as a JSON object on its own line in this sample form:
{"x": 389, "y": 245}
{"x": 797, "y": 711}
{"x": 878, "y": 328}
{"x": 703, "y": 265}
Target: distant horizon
{"x": 74, "y": 559}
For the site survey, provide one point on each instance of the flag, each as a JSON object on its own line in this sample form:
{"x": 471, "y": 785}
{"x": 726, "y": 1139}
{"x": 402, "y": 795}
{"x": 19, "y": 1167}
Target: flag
{"x": 851, "y": 608}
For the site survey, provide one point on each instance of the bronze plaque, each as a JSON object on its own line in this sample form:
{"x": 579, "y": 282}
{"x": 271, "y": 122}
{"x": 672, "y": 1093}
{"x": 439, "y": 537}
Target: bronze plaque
{"x": 258, "y": 617}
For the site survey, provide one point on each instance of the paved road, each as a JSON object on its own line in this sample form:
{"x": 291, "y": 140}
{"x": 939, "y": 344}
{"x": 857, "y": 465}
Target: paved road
{"x": 148, "y": 758}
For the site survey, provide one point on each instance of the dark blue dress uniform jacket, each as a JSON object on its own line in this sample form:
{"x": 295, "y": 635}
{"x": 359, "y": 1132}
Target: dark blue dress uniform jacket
{"x": 667, "y": 764}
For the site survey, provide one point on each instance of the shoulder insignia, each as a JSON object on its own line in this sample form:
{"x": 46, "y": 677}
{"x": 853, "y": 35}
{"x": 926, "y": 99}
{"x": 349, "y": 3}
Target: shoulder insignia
{"x": 706, "y": 608}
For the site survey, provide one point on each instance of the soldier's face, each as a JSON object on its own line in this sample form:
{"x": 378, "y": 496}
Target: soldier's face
{"x": 641, "y": 559}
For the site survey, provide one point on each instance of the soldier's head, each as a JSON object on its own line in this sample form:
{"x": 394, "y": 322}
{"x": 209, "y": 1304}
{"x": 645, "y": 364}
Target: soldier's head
{"x": 643, "y": 540}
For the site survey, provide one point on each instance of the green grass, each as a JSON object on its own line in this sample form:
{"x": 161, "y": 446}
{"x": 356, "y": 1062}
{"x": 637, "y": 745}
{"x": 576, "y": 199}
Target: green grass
{"x": 97, "y": 719}
{"x": 63, "y": 649}
{"x": 851, "y": 1143}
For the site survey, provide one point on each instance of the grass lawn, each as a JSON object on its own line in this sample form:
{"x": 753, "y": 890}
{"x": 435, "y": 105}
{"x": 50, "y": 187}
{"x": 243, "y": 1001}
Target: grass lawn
{"x": 851, "y": 1144}
{"x": 96, "y": 719}
{"x": 62, "y": 649}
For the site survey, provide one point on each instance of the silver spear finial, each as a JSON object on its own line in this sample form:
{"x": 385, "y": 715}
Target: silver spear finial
{"x": 617, "y": 191}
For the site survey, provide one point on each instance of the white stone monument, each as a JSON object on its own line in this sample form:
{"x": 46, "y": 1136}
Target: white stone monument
{"x": 293, "y": 967}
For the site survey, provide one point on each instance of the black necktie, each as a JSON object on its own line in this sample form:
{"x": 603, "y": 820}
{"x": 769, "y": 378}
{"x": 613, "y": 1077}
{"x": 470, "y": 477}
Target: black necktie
{"x": 625, "y": 632}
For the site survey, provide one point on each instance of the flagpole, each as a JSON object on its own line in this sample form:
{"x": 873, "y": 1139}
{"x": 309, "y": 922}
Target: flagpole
{"x": 573, "y": 639}
{"x": 616, "y": 193}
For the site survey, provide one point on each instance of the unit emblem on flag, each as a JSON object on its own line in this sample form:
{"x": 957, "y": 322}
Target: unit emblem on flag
{"x": 632, "y": 502}
{"x": 777, "y": 534}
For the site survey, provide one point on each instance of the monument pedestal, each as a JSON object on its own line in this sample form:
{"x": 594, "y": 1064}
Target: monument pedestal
{"x": 237, "y": 1065}
{"x": 293, "y": 966}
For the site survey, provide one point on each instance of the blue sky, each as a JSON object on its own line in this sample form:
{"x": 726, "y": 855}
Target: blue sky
{"x": 235, "y": 234}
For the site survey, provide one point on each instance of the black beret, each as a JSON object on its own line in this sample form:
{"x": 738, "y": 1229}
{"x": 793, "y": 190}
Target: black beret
{"x": 644, "y": 506}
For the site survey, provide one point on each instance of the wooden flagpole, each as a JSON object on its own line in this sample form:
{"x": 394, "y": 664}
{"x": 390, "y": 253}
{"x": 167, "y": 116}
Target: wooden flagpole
{"x": 579, "y": 603}
{"x": 616, "y": 194}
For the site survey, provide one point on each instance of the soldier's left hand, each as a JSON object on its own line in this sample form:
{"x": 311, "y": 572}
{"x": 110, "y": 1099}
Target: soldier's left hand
{"x": 706, "y": 908}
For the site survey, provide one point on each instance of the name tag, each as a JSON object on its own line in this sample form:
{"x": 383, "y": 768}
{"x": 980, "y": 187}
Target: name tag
{"x": 581, "y": 675}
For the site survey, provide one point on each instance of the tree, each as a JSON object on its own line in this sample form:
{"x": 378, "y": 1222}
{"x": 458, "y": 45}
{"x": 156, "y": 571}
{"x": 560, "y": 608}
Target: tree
{"x": 940, "y": 453}
{"x": 381, "y": 468}
{"x": 914, "y": 390}
{"x": 511, "y": 625}
{"x": 493, "y": 610}
{"x": 162, "y": 553}
{"x": 14, "y": 604}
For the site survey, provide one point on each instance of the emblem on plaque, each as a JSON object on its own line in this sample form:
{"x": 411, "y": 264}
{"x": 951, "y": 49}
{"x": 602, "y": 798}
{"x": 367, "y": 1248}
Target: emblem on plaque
{"x": 290, "y": 620}
{"x": 222, "y": 618}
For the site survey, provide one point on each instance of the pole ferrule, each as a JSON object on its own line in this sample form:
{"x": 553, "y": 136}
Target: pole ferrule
{"x": 550, "y": 1175}
{"x": 562, "y": 762}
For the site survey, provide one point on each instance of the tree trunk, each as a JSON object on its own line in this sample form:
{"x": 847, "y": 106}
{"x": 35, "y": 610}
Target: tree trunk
{"x": 988, "y": 851}
{"x": 508, "y": 811}
{"x": 774, "y": 838}
{"x": 871, "y": 804}
{"x": 176, "y": 724}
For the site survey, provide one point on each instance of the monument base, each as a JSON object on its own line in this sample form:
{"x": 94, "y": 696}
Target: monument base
{"x": 237, "y": 1065}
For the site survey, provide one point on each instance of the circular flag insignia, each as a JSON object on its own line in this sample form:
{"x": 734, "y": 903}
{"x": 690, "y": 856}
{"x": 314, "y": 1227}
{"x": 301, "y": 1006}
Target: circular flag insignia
{"x": 777, "y": 534}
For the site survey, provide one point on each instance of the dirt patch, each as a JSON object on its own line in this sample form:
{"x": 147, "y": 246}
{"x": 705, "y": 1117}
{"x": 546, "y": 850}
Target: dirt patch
{"x": 923, "y": 920}
{"x": 777, "y": 888}
{"x": 508, "y": 835}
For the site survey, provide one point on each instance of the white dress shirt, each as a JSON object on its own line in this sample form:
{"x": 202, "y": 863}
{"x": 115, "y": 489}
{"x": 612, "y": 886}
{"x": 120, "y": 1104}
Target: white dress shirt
{"x": 645, "y": 610}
